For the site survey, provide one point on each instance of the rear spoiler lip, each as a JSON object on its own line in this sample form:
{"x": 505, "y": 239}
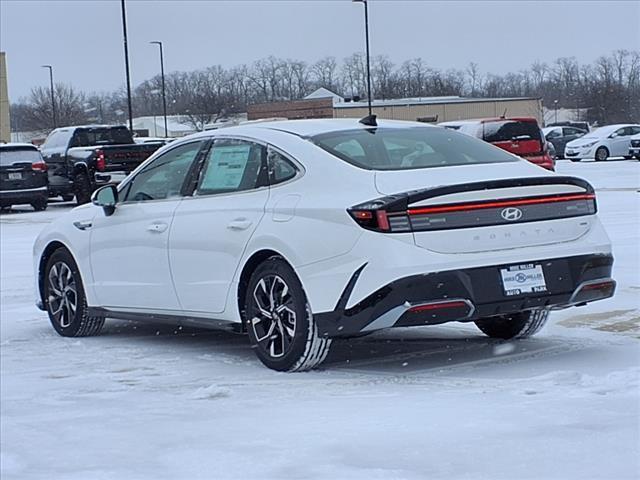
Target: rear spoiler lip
{"x": 401, "y": 201}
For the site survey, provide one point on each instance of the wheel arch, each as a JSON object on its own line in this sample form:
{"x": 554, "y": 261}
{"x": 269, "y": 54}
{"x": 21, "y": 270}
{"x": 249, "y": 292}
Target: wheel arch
{"x": 44, "y": 258}
{"x": 247, "y": 270}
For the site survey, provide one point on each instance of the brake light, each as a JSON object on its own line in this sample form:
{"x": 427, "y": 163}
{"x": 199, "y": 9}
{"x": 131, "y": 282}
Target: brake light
{"x": 100, "y": 161}
{"x": 39, "y": 166}
{"x": 372, "y": 219}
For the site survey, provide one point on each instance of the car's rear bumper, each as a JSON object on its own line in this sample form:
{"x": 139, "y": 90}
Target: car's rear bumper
{"x": 466, "y": 295}
{"x": 25, "y": 195}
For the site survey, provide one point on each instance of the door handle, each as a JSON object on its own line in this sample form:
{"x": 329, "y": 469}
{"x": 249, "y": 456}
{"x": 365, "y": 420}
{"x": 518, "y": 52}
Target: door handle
{"x": 157, "y": 227}
{"x": 239, "y": 224}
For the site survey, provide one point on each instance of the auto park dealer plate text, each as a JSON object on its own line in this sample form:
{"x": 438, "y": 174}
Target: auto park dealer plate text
{"x": 519, "y": 279}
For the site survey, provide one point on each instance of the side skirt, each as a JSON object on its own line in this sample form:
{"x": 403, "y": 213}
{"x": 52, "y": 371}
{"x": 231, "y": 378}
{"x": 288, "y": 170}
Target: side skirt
{"x": 169, "y": 319}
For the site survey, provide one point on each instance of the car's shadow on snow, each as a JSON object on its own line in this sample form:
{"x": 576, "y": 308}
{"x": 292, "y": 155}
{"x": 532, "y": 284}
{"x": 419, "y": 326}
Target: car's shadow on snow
{"x": 396, "y": 351}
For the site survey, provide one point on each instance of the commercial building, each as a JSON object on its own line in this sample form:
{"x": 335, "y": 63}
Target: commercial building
{"x": 325, "y": 104}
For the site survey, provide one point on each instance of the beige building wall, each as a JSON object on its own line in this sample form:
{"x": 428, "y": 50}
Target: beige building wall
{"x": 449, "y": 111}
{"x": 5, "y": 126}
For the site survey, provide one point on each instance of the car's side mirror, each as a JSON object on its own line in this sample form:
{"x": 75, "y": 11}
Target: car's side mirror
{"x": 106, "y": 197}
{"x": 613, "y": 135}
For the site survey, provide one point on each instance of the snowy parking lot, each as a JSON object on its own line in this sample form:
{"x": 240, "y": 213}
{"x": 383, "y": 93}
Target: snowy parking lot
{"x": 151, "y": 401}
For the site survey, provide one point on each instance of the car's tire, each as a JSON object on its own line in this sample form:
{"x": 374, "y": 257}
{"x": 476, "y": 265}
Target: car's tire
{"x": 40, "y": 205}
{"x": 575, "y": 159}
{"x": 67, "y": 198}
{"x": 516, "y": 325}
{"x": 601, "y": 154}
{"x": 628, "y": 157}
{"x": 281, "y": 327}
{"x": 64, "y": 298}
{"x": 82, "y": 187}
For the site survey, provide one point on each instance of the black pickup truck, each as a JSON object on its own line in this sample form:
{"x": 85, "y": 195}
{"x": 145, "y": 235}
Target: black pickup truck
{"x": 80, "y": 159}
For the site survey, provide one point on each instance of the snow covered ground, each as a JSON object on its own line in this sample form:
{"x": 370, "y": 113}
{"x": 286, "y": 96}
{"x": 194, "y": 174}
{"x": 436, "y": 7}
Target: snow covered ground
{"x": 152, "y": 402}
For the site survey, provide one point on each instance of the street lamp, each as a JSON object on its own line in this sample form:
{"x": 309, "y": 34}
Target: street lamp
{"x": 366, "y": 33}
{"x": 164, "y": 96}
{"x": 555, "y": 107}
{"x": 53, "y": 101}
{"x": 126, "y": 62}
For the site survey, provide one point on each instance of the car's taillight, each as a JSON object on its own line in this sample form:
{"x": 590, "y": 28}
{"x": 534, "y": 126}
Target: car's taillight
{"x": 372, "y": 219}
{"x": 100, "y": 161}
{"x": 39, "y": 166}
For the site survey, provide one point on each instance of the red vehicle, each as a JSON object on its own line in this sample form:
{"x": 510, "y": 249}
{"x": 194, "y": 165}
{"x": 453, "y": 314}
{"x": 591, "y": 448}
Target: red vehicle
{"x": 521, "y": 136}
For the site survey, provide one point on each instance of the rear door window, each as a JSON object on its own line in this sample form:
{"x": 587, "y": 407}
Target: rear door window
{"x": 232, "y": 166}
{"x": 509, "y": 130}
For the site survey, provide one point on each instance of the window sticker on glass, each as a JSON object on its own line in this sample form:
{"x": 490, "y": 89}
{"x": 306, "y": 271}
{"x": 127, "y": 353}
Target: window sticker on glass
{"x": 225, "y": 167}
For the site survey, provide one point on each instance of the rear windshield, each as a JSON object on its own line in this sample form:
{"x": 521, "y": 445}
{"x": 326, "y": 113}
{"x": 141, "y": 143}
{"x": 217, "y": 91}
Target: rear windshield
{"x": 87, "y": 137}
{"x": 508, "y": 130}
{"x": 9, "y": 156}
{"x": 408, "y": 148}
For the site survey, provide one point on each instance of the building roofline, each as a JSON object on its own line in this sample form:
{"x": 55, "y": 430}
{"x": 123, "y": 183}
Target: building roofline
{"x": 427, "y": 101}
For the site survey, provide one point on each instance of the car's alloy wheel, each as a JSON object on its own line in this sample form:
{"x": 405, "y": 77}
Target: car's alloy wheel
{"x": 278, "y": 319}
{"x": 40, "y": 205}
{"x": 515, "y": 325}
{"x": 601, "y": 154}
{"x": 64, "y": 298}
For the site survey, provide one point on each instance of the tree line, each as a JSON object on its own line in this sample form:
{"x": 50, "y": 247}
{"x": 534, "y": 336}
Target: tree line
{"x": 608, "y": 88}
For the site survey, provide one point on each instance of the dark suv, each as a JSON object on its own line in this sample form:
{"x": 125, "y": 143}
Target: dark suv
{"x": 23, "y": 176}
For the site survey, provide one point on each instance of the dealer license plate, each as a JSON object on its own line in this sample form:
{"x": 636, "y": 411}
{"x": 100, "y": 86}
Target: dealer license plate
{"x": 15, "y": 176}
{"x": 519, "y": 279}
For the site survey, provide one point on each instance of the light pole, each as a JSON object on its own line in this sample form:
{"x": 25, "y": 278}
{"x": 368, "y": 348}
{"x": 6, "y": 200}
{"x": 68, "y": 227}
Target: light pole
{"x": 126, "y": 62}
{"x": 164, "y": 96}
{"x": 366, "y": 33}
{"x": 53, "y": 100}
{"x": 555, "y": 108}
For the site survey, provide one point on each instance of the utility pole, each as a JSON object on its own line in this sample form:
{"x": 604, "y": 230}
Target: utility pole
{"x": 53, "y": 99}
{"x": 126, "y": 63}
{"x": 164, "y": 94}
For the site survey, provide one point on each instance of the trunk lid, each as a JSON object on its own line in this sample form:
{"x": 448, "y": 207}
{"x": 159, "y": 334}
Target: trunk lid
{"x": 481, "y": 208}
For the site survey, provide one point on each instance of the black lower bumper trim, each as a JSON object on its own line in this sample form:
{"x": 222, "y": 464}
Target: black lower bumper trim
{"x": 482, "y": 287}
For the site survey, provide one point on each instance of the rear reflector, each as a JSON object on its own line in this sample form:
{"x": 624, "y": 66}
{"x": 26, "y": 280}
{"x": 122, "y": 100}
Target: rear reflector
{"x": 439, "y": 306}
{"x": 593, "y": 290}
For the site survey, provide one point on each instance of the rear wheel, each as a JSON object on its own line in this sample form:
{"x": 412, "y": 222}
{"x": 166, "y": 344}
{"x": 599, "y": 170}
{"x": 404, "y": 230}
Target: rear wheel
{"x": 40, "y": 205}
{"x": 67, "y": 198}
{"x": 516, "y": 325}
{"x": 65, "y": 300}
{"x": 628, "y": 157}
{"x": 279, "y": 321}
{"x": 601, "y": 154}
{"x": 82, "y": 187}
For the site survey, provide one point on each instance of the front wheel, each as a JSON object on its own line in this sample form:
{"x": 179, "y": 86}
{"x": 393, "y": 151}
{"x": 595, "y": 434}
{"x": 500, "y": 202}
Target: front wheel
{"x": 516, "y": 325}
{"x": 65, "y": 300}
{"x": 82, "y": 187}
{"x": 279, "y": 321}
{"x": 601, "y": 154}
{"x": 40, "y": 204}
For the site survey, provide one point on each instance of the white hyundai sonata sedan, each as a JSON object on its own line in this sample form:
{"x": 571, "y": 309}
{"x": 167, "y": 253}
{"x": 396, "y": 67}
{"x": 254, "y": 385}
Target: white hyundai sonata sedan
{"x": 300, "y": 232}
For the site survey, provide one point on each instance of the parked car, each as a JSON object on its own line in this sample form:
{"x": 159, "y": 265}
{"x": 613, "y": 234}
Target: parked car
{"x": 634, "y": 146}
{"x": 520, "y": 136}
{"x": 602, "y": 143}
{"x": 80, "y": 159}
{"x": 560, "y": 136}
{"x": 298, "y": 232}
{"x": 23, "y": 176}
{"x": 579, "y": 125}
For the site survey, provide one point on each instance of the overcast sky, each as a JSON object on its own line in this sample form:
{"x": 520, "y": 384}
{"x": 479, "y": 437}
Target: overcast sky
{"x": 83, "y": 39}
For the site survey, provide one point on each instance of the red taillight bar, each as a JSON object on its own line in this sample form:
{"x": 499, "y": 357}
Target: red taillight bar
{"x": 503, "y": 203}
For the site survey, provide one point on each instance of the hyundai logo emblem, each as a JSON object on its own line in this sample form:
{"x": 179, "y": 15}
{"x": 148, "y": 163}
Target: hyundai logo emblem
{"x": 511, "y": 214}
